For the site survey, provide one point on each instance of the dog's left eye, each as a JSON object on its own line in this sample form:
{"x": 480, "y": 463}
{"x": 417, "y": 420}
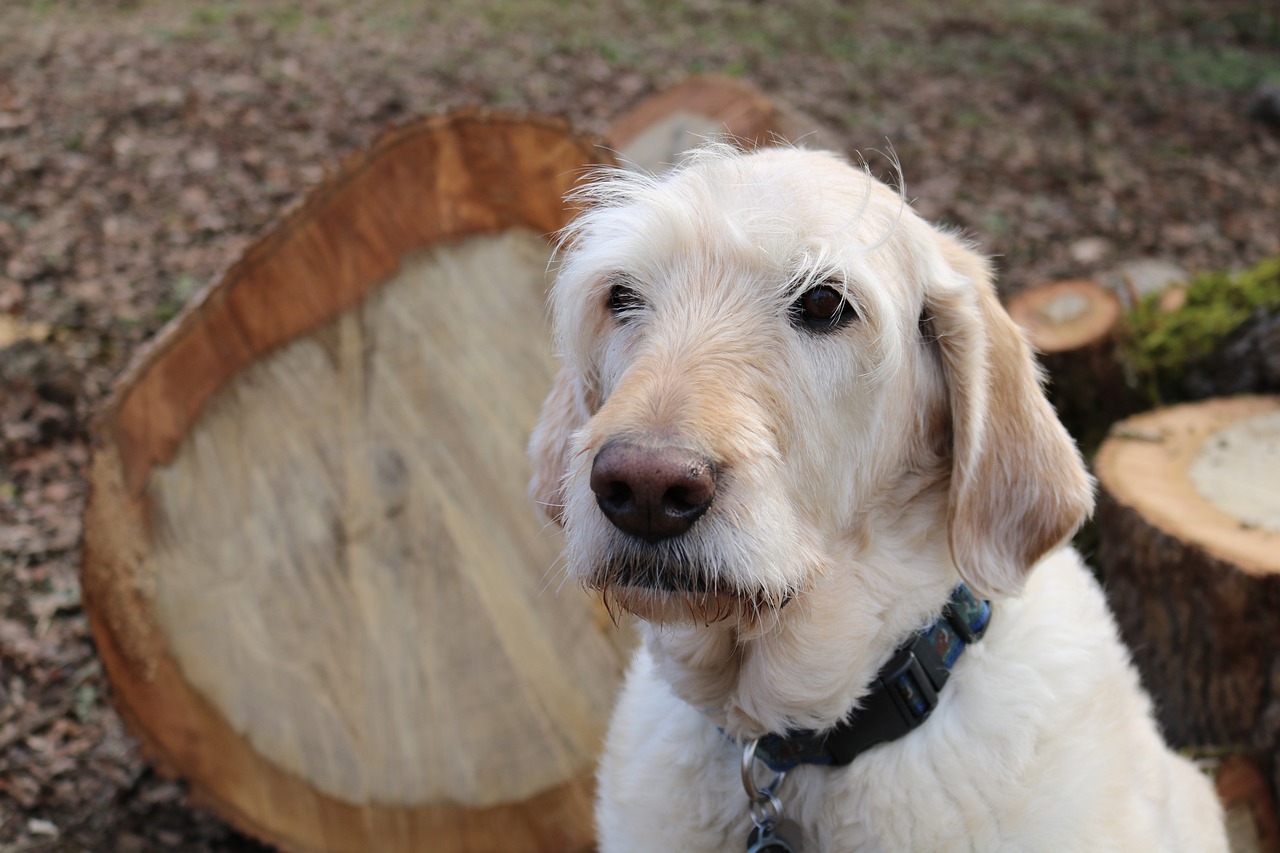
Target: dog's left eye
{"x": 822, "y": 309}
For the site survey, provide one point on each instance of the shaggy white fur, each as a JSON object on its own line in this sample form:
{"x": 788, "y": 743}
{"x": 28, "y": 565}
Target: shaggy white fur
{"x": 862, "y": 472}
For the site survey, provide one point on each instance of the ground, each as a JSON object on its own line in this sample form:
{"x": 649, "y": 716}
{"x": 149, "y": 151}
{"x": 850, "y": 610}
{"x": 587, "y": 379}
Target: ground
{"x": 143, "y": 145}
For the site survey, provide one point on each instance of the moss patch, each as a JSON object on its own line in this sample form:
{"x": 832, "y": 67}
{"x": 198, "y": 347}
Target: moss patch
{"x": 1164, "y": 345}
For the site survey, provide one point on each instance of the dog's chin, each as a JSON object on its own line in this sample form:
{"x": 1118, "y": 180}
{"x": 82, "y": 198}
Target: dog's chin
{"x": 665, "y": 607}
{"x": 673, "y": 600}
{"x": 676, "y": 583}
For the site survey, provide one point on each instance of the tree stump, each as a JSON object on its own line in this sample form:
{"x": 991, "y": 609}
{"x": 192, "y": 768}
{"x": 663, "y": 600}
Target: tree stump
{"x": 314, "y": 577}
{"x": 1074, "y": 326}
{"x": 1189, "y": 550}
{"x": 652, "y": 135}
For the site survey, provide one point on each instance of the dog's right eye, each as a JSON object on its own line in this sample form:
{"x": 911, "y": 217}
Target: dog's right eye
{"x": 822, "y": 309}
{"x": 624, "y": 302}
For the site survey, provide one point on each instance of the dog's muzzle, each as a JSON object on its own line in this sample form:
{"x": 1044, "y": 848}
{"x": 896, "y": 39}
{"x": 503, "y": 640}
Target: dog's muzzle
{"x": 653, "y": 495}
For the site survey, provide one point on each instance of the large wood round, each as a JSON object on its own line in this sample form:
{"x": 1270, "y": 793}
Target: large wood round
{"x": 313, "y": 573}
{"x": 1189, "y": 525}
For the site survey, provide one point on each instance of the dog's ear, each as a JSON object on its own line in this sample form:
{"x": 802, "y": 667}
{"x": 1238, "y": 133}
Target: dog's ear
{"x": 1018, "y": 484}
{"x": 563, "y": 412}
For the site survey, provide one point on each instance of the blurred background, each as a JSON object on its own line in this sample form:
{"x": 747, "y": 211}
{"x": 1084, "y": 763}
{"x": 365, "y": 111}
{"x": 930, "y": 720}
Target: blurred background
{"x": 144, "y": 145}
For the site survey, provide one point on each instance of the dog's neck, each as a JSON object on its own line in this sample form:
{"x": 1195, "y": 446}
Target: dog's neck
{"x": 807, "y": 665}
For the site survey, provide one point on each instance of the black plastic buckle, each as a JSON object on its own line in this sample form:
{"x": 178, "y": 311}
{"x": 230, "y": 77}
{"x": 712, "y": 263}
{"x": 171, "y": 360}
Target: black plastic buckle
{"x": 906, "y": 668}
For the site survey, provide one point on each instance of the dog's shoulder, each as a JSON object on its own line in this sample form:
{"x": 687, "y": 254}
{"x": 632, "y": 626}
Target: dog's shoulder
{"x": 1042, "y": 737}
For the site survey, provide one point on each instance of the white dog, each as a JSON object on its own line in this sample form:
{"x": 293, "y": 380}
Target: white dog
{"x": 792, "y": 419}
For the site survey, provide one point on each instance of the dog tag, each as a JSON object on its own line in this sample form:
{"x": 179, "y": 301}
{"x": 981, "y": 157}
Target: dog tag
{"x": 785, "y": 838}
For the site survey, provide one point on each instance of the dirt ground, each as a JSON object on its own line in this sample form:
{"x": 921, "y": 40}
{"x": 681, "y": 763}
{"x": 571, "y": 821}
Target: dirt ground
{"x": 143, "y": 145}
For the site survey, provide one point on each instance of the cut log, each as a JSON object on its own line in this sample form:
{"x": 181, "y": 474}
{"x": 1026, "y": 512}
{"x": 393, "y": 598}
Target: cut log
{"x": 1189, "y": 551}
{"x": 652, "y": 135}
{"x": 316, "y": 582}
{"x": 1074, "y": 326}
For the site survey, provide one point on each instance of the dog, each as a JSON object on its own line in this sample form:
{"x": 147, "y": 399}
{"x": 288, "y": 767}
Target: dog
{"x": 792, "y": 424}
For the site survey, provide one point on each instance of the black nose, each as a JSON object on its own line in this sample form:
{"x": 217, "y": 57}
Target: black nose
{"x": 652, "y": 492}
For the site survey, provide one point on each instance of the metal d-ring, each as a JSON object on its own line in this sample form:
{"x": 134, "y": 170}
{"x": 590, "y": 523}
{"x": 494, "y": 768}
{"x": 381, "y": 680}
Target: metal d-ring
{"x": 766, "y": 808}
{"x": 766, "y": 812}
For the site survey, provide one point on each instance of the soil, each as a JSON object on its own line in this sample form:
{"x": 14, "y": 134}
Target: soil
{"x": 143, "y": 145}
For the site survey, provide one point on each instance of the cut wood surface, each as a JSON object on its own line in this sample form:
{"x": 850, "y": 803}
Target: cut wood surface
{"x": 1189, "y": 550}
{"x": 652, "y": 135}
{"x": 1064, "y": 316}
{"x": 317, "y": 584}
{"x": 1074, "y": 326}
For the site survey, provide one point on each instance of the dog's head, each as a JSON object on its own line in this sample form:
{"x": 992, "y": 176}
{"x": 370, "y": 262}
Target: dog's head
{"x": 768, "y": 362}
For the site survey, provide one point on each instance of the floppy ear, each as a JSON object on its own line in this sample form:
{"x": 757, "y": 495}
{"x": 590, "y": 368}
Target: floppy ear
{"x": 563, "y": 412}
{"x": 1018, "y": 484}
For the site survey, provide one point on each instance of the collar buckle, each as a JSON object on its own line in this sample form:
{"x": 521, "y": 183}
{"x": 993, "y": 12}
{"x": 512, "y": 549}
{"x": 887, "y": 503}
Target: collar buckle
{"x": 912, "y": 691}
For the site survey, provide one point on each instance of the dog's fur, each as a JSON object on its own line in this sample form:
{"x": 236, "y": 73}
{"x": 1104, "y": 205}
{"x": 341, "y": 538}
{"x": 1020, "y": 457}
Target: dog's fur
{"x": 863, "y": 472}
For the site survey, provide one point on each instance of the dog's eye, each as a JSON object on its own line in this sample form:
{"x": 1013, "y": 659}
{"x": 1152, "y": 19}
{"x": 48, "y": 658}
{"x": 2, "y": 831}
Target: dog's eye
{"x": 822, "y": 309}
{"x": 624, "y": 301}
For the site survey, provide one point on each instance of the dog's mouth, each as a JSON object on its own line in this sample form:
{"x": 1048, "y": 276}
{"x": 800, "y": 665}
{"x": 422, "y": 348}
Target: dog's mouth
{"x": 664, "y": 593}
{"x": 656, "y": 577}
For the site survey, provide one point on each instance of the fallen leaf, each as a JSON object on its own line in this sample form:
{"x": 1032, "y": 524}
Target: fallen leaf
{"x": 14, "y": 329}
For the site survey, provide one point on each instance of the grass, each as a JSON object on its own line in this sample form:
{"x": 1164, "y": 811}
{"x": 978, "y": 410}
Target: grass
{"x": 1182, "y": 43}
{"x": 1232, "y": 69}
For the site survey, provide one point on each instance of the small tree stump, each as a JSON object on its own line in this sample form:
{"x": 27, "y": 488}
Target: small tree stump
{"x": 314, "y": 577}
{"x": 1074, "y": 327}
{"x": 1189, "y": 550}
{"x": 653, "y": 134}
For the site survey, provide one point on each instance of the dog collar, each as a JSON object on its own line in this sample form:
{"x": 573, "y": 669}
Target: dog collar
{"x": 904, "y": 693}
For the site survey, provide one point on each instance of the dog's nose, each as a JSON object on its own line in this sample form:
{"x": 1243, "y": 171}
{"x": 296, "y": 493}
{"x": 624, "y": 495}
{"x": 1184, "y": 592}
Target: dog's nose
{"x": 652, "y": 492}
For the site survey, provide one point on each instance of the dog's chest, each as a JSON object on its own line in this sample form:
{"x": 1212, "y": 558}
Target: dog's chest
{"x": 672, "y": 780}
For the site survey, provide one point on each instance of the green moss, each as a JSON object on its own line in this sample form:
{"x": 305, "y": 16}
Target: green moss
{"x": 1163, "y": 345}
